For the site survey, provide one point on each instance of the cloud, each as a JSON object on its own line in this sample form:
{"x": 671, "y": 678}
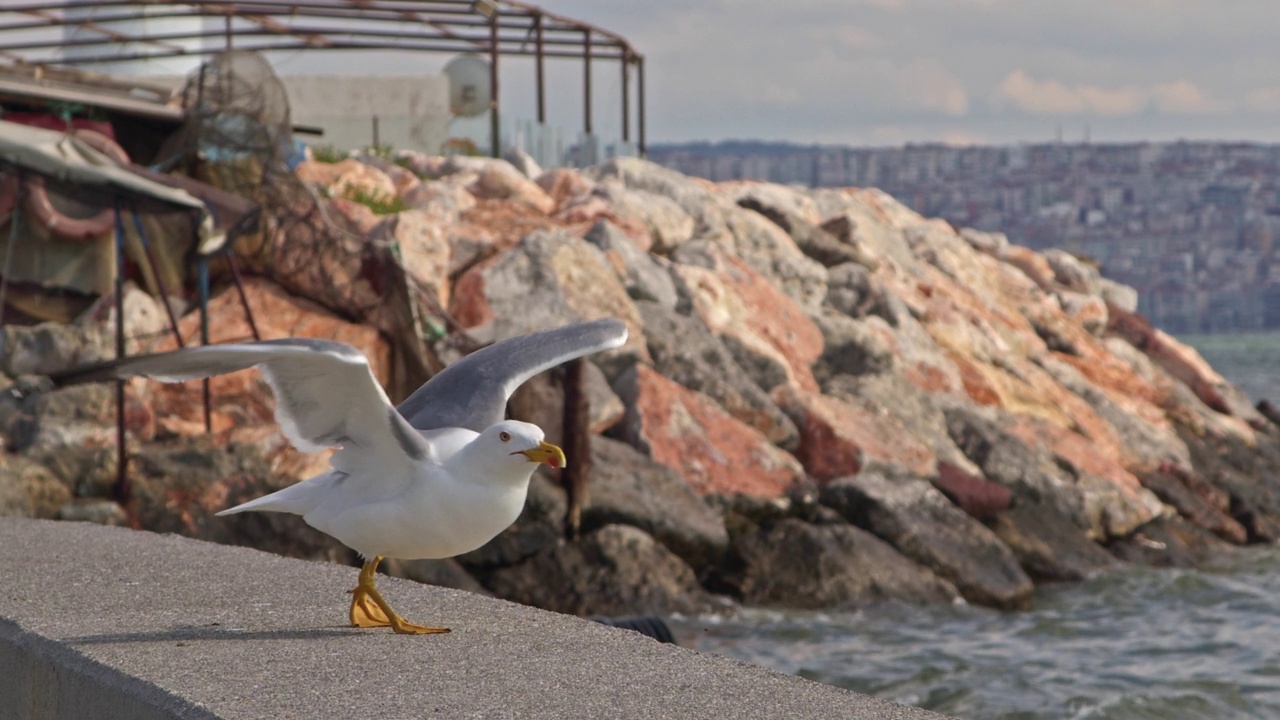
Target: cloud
{"x": 928, "y": 85}
{"x": 1052, "y": 97}
{"x": 1266, "y": 100}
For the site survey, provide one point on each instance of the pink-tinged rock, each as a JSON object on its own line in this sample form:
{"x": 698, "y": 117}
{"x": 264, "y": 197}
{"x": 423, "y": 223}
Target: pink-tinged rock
{"x": 838, "y": 438}
{"x": 342, "y": 178}
{"x": 1032, "y": 263}
{"x": 974, "y": 494}
{"x": 499, "y": 180}
{"x": 564, "y": 184}
{"x": 244, "y": 399}
{"x": 546, "y": 280}
{"x": 357, "y": 216}
{"x": 424, "y": 251}
{"x": 580, "y": 214}
{"x": 738, "y": 303}
{"x": 444, "y": 200}
{"x": 403, "y": 180}
{"x": 787, "y": 198}
{"x": 688, "y": 432}
{"x": 1090, "y": 311}
{"x": 1115, "y": 500}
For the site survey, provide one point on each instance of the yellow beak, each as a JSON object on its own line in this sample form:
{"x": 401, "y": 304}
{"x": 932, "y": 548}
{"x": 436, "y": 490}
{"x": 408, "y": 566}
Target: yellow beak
{"x": 546, "y": 453}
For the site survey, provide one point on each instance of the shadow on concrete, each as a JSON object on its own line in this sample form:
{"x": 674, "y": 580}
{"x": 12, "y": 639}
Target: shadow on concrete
{"x": 210, "y": 633}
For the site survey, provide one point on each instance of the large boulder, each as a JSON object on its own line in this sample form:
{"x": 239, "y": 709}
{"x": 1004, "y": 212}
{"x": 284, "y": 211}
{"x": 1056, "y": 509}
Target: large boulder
{"x": 683, "y": 349}
{"x": 29, "y": 489}
{"x": 923, "y": 525}
{"x": 547, "y": 280}
{"x": 646, "y": 277}
{"x": 695, "y": 196}
{"x": 50, "y": 348}
{"x": 667, "y": 224}
{"x": 1196, "y": 500}
{"x": 770, "y": 334}
{"x": 794, "y": 564}
{"x": 1047, "y": 546}
{"x": 346, "y": 178}
{"x": 689, "y": 433}
{"x": 770, "y": 251}
{"x": 616, "y": 570}
{"x": 629, "y": 488}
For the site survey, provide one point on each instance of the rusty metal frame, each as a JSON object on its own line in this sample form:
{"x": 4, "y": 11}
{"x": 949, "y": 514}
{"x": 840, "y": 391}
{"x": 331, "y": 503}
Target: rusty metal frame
{"x": 491, "y": 27}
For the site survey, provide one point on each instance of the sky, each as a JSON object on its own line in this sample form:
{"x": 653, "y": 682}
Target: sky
{"x": 887, "y": 72}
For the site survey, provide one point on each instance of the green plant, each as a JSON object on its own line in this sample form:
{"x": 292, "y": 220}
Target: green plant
{"x": 382, "y": 151}
{"x": 328, "y": 154}
{"x": 379, "y": 203}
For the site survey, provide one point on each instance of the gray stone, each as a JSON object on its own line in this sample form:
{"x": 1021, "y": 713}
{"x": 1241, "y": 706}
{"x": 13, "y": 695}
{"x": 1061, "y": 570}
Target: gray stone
{"x": 853, "y": 347}
{"x": 692, "y": 195}
{"x": 29, "y": 489}
{"x": 441, "y": 573}
{"x": 616, "y": 570}
{"x": 991, "y": 243}
{"x": 1031, "y": 473}
{"x": 771, "y": 252}
{"x": 78, "y": 415}
{"x": 1171, "y": 542}
{"x": 851, "y": 290}
{"x": 91, "y": 472}
{"x": 669, "y": 225}
{"x": 812, "y": 240}
{"x": 1073, "y": 272}
{"x": 50, "y": 348}
{"x": 1047, "y": 546}
{"x": 101, "y": 512}
{"x": 522, "y": 161}
{"x": 629, "y": 488}
{"x": 1122, "y": 296}
{"x": 683, "y": 349}
{"x": 645, "y": 276}
{"x": 797, "y": 565}
{"x": 923, "y": 525}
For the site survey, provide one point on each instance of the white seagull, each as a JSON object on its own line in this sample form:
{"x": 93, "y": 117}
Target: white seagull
{"x": 438, "y": 476}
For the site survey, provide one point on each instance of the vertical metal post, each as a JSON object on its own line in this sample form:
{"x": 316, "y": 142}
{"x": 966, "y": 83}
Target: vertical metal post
{"x": 226, "y": 31}
{"x": 640, "y": 101}
{"x": 586, "y": 81}
{"x": 376, "y": 139}
{"x": 540, "y": 70}
{"x": 494, "y": 127}
{"x": 123, "y": 492}
{"x": 626, "y": 96}
{"x": 203, "y": 268}
{"x": 577, "y": 444}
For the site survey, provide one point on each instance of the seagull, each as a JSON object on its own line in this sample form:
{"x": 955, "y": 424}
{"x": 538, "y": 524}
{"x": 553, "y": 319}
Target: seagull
{"x": 438, "y": 476}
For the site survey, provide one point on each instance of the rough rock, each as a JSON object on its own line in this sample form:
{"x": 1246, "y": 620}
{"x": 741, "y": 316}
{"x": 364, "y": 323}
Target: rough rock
{"x": 628, "y": 488}
{"x": 1047, "y": 546}
{"x": 1196, "y": 500}
{"x": 851, "y": 290}
{"x": 1171, "y": 542}
{"x": 798, "y": 565}
{"x": 770, "y": 334}
{"x": 50, "y": 348}
{"x": 423, "y": 248}
{"x": 696, "y": 197}
{"x": 668, "y": 225}
{"x": 547, "y": 280}
{"x": 345, "y": 177}
{"x": 443, "y": 573}
{"x": 443, "y": 201}
{"x": 101, "y": 512}
{"x": 689, "y": 433}
{"x": 770, "y": 251}
{"x": 563, "y": 184}
{"x": 683, "y": 349}
{"x": 1246, "y": 473}
{"x": 616, "y": 570}
{"x": 974, "y": 494}
{"x": 853, "y": 347}
{"x": 1072, "y": 272}
{"x": 923, "y": 525}
{"x": 645, "y": 276}
{"x": 499, "y": 180}
{"x": 77, "y": 416}
{"x": 813, "y": 240}
{"x": 838, "y": 437}
{"x": 523, "y": 162}
{"x": 29, "y": 489}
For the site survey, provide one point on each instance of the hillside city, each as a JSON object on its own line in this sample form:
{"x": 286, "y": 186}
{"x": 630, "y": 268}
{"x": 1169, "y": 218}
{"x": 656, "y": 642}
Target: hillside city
{"x": 1191, "y": 225}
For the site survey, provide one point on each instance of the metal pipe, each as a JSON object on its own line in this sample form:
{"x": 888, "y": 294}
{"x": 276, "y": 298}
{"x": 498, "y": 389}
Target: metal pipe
{"x": 244, "y": 297}
{"x": 155, "y": 270}
{"x": 577, "y": 445}
{"x": 540, "y": 71}
{"x": 640, "y": 103}
{"x": 494, "y": 126}
{"x": 122, "y": 490}
{"x": 586, "y": 81}
{"x": 203, "y": 279}
{"x": 284, "y": 46}
{"x": 626, "y": 99}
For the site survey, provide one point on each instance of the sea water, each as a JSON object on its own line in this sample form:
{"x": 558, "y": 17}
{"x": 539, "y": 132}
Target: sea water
{"x": 1138, "y": 642}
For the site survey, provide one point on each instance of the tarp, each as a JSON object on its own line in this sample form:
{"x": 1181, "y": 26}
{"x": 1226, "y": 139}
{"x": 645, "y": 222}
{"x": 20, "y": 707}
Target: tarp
{"x": 66, "y": 159}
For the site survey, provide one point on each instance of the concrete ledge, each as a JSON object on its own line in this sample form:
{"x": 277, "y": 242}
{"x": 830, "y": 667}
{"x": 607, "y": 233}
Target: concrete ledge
{"x": 99, "y": 622}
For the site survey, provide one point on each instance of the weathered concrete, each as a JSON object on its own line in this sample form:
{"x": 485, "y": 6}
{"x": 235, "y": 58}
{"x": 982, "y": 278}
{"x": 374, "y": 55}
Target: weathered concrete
{"x": 111, "y": 623}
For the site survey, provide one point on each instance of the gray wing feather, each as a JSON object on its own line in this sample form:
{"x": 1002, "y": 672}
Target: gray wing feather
{"x": 326, "y": 395}
{"x": 473, "y": 392}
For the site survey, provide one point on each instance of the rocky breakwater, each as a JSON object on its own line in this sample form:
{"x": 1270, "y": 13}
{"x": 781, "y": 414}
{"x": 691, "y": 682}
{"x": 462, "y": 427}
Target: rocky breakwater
{"x": 827, "y": 400}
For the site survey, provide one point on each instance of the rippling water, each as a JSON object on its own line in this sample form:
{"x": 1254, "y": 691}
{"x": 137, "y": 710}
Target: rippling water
{"x": 1133, "y": 644}
{"x": 1139, "y": 643}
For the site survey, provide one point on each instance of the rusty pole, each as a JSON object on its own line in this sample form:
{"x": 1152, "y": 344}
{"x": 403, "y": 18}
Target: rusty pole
{"x": 540, "y": 71}
{"x": 123, "y": 493}
{"x": 640, "y": 102}
{"x": 626, "y": 93}
{"x": 494, "y": 127}
{"x": 577, "y": 446}
{"x": 586, "y": 81}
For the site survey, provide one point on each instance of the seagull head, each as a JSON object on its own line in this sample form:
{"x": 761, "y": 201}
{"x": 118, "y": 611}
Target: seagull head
{"x": 524, "y": 441}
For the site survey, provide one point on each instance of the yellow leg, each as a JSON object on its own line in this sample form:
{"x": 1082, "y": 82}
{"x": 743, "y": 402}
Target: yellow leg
{"x": 368, "y": 609}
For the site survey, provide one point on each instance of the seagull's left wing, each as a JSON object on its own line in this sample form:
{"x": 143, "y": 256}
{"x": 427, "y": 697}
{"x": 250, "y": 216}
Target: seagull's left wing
{"x": 326, "y": 396}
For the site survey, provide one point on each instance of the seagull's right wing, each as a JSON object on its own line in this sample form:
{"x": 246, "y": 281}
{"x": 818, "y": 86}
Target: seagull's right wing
{"x": 326, "y": 396}
{"x": 473, "y": 392}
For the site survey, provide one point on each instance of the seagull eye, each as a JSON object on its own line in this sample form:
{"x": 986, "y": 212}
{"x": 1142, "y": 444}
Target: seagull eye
{"x": 504, "y": 436}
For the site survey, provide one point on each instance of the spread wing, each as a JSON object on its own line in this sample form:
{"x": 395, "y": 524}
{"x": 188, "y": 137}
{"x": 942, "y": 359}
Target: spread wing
{"x": 326, "y": 396}
{"x": 473, "y": 392}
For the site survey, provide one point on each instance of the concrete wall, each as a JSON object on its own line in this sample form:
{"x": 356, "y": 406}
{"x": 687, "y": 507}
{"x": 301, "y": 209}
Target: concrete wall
{"x": 412, "y": 111}
{"x": 99, "y": 622}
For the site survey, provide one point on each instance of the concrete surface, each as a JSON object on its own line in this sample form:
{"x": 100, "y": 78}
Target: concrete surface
{"x": 99, "y": 622}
